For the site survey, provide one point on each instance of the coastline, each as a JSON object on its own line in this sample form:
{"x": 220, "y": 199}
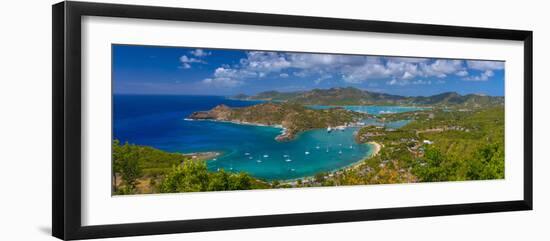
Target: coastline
{"x": 204, "y": 156}
{"x": 377, "y": 147}
{"x": 284, "y": 136}
{"x": 237, "y": 122}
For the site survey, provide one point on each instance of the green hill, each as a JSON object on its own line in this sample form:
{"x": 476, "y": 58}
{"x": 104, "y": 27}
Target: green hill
{"x": 354, "y": 96}
{"x": 291, "y": 116}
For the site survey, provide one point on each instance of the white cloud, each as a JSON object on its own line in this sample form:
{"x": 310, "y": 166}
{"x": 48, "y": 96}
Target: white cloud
{"x": 407, "y": 75}
{"x": 187, "y": 61}
{"x": 441, "y": 68}
{"x": 421, "y": 82}
{"x": 227, "y": 77}
{"x": 199, "y": 53}
{"x": 300, "y": 74}
{"x": 485, "y": 65}
{"x": 484, "y": 76}
{"x": 222, "y": 82}
{"x": 222, "y": 72}
{"x": 264, "y": 62}
{"x": 365, "y": 72}
{"x": 462, "y": 73}
{"x": 351, "y": 68}
{"x": 403, "y": 82}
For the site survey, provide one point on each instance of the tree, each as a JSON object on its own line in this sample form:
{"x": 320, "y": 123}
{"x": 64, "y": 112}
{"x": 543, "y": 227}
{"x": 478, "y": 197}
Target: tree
{"x": 126, "y": 163}
{"x": 116, "y": 163}
{"x": 192, "y": 176}
{"x": 320, "y": 177}
{"x": 488, "y": 163}
{"x": 219, "y": 181}
{"x": 435, "y": 168}
{"x": 240, "y": 181}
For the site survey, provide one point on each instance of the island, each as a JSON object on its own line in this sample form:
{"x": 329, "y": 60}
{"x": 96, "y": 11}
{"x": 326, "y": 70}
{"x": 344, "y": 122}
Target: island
{"x": 452, "y": 137}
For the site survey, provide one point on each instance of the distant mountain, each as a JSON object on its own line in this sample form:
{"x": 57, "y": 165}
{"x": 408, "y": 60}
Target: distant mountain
{"x": 354, "y": 96}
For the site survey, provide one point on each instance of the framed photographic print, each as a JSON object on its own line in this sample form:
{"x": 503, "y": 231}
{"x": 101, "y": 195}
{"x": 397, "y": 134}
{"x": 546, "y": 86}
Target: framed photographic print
{"x": 170, "y": 120}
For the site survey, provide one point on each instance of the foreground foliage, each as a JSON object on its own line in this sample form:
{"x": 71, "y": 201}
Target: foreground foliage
{"x": 436, "y": 145}
{"x": 142, "y": 169}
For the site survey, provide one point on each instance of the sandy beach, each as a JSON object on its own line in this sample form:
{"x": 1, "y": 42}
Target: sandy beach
{"x": 376, "y": 151}
{"x": 377, "y": 147}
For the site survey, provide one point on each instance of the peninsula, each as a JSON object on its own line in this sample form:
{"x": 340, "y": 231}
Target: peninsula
{"x": 293, "y": 118}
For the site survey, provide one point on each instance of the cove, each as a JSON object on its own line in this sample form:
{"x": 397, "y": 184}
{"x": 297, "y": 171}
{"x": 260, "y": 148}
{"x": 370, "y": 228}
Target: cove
{"x": 158, "y": 121}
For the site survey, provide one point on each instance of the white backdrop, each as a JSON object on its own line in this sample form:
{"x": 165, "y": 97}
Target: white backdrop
{"x": 25, "y": 102}
{"x": 100, "y": 208}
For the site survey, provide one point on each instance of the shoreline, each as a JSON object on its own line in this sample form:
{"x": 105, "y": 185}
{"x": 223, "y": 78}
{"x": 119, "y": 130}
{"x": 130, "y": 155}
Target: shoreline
{"x": 283, "y": 136}
{"x": 377, "y": 147}
{"x": 204, "y": 156}
{"x": 237, "y": 122}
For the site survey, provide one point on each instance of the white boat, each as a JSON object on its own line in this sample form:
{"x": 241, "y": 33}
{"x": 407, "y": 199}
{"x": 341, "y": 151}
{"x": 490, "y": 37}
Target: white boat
{"x": 258, "y": 161}
{"x": 317, "y": 147}
{"x": 307, "y": 152}
{"x": 288, "y": 160}
{"x": 266, "y": 156}
{"x": 246, "y": 154}
{"x": 329, "y": 129}
{"x": 340, "y": 152}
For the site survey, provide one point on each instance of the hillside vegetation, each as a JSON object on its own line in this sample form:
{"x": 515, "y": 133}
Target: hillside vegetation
{"x": 295, "y": 118}
{"x": 143, "y": 169}
{"x": 354, "y": 96}
{"x": 436, "y": 146}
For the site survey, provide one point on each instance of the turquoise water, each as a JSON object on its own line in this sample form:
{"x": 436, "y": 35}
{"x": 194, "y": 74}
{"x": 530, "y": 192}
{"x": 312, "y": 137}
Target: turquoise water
{"x": 311, "y": 152}
{"x": 392, "y": 124}
{"x": 158, "y": 121}
{"x": 373, "y": 109}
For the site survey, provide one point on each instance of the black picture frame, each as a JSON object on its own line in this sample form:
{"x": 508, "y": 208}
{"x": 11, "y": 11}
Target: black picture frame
{"x": 66, "y": 169}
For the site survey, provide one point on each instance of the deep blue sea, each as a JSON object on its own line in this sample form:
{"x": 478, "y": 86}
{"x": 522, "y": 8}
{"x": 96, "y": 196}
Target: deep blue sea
{"x": 158, "y": 121}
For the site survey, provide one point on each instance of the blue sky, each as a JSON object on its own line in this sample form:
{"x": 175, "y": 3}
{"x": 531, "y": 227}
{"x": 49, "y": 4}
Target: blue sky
{"x": 192, "y": 71}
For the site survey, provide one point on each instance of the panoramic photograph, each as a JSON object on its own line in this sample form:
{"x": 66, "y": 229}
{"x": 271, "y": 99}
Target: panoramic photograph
{"x": 200, "y": 119}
